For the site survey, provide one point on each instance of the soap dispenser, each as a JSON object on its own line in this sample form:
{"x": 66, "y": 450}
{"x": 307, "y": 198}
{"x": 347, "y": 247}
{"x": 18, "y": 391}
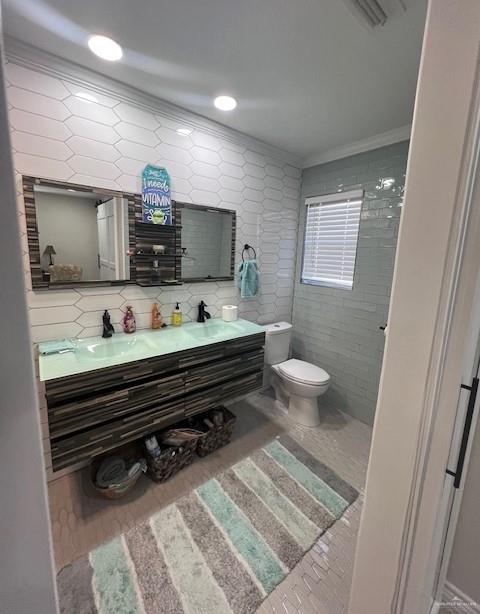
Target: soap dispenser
{"x": 177, "y": 316}
{"x": 108, "y": 329}
{"x": 128, "y": 321}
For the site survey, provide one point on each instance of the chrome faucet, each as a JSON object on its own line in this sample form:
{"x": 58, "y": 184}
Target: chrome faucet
{"x": 202, "y": 314}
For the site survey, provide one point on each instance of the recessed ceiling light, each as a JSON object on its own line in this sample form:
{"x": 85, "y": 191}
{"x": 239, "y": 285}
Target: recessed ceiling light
{"x": 225, "y": 103}
{"x": 184, "y": 131}
{"x": 105, "y": 48}
{"x": 86, "y": 96}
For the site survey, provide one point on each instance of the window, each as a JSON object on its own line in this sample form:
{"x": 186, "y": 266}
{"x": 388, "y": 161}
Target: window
{"x": 330, "y": 242}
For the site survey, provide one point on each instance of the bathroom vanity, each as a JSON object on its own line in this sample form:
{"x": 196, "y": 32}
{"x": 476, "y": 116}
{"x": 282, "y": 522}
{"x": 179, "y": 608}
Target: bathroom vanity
{"x": 112, "y": 391}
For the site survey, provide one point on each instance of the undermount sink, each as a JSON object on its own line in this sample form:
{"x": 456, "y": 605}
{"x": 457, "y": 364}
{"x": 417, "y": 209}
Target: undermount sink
{"x": 113, "y": 348}
{"x": 211, "y": 330}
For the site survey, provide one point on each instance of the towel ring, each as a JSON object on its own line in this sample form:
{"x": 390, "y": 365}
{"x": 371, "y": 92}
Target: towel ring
{"x": 247, "y": 247}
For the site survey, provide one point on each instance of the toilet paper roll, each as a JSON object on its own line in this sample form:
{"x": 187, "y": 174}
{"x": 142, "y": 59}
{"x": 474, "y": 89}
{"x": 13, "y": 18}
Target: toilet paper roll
{"x": 229, "y": 313}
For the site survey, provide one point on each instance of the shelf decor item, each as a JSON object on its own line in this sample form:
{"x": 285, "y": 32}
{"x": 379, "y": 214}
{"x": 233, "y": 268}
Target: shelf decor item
{"x": 49, "y": 251}
{"x": 156, "y": 195}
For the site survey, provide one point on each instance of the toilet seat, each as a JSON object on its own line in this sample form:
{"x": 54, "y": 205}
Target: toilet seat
{"x": 303, "y": 372}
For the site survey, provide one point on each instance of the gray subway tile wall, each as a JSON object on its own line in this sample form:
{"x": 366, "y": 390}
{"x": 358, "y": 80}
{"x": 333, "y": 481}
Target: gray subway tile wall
{"x": 338, "y": 329}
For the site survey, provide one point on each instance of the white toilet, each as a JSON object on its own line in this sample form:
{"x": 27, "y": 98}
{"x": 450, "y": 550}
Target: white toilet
{"x": 297, "y": 384}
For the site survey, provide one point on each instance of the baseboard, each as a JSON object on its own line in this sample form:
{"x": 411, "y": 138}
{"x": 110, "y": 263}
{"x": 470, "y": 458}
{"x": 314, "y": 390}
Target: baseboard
{"x": 466, "y": 605}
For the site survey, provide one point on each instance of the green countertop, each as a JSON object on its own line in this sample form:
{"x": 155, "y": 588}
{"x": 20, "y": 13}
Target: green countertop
{"x": 97, "y": 353}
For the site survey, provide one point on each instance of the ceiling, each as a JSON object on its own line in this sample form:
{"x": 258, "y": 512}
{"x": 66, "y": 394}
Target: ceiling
{"x": 309, "y": 75}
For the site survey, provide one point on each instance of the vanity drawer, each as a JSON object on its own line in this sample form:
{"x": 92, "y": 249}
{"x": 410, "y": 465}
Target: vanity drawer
{"x": 70, "y": 417}
{"x": 224, "y": 369}
{"x": 84, "y": 445}
{"x": 76, "y": 387}
{"x": 244, "y": 344}
{"x": 205, "y": 399}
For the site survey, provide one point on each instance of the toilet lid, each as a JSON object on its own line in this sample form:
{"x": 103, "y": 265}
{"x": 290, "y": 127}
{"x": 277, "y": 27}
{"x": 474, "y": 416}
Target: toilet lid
{"x": 277, "y": 327}
{"x": 303, "y": 372}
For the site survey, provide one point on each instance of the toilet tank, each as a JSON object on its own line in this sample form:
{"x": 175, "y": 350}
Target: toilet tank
{"x": 277, "y": 342}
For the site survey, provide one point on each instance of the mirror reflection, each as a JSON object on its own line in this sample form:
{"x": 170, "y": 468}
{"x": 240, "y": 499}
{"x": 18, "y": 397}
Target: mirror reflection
{"x": 207, "y": 243}
{"x": 83, "y": 236}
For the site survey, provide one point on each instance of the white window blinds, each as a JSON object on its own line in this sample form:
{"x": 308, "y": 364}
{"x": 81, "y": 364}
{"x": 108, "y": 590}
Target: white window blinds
{"x": 331, "y": 234}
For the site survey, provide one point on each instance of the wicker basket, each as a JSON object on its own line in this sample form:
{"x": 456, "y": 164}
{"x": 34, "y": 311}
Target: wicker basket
{"x": 170, "y": 461}
{"x": 112, "y": 493}
{"x": 217, "y": 436}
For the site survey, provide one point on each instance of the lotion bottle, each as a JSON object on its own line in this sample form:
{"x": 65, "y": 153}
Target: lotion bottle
{"x": 156, "y": 317}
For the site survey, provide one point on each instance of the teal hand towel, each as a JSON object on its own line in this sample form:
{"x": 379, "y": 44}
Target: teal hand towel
{"x": 248, "y": 279}
{"x": 56, "y": 347}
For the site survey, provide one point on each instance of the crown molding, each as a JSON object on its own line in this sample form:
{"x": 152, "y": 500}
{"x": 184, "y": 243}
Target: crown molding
{"x": 35, "y": 59}
{"x": 373, "y": 142}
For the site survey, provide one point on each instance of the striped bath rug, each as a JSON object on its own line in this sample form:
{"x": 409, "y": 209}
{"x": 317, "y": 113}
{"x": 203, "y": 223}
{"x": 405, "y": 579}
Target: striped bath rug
{"x": 218, "y": 550}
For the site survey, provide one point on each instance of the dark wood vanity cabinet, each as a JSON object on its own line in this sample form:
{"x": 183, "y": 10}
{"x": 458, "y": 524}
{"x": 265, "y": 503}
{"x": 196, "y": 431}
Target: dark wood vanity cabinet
{"x": 98, "y": 411}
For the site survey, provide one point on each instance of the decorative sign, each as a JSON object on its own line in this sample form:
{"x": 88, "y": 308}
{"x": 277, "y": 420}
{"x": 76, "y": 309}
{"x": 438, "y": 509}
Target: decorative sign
{"x": 156, "y": 198}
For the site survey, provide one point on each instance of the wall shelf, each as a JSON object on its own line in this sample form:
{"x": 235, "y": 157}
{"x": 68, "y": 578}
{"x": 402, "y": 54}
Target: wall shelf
{"x": 160, "y": 283}
{"x": 158, "y": 256}
{"x": 148, "y": 235}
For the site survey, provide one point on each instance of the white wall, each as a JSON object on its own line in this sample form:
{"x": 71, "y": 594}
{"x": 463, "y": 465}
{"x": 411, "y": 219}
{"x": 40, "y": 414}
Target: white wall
{"x": 27, "y": 580}
{"x": 107, "y": 144}
{"x": 70, "y": 225}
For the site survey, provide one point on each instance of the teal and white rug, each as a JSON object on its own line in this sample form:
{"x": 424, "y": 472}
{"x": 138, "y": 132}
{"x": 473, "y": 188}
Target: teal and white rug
{"x": 219, "y": 550}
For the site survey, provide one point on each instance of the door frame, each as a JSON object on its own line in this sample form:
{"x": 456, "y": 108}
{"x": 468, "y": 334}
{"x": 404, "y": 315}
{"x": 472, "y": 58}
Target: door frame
{"x": 431, "y": 311}
{"x": 27, "y": 577}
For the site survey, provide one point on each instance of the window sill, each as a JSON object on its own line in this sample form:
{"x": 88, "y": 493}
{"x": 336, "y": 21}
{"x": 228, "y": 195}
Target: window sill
{"x": 326, "y": 284}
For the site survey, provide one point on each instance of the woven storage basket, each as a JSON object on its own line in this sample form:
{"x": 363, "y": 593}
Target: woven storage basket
{"x": 170, "y": 461}
{"x": 217, "y": 436}
{"x": 112, "y": 493}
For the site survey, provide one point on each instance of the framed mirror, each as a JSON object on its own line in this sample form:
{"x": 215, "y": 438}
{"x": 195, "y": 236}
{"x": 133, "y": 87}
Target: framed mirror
{"x": 207, "y": 243}
{"x": 79, "y": 235}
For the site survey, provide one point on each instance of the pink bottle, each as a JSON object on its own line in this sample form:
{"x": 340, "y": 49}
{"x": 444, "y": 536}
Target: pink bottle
{"x": 129, "y": 324}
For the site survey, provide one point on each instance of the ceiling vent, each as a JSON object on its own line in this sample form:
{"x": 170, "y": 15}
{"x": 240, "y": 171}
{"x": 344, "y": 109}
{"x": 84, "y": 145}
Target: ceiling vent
{"x": 371, "y": 11}
{"x": 374, "y": 13}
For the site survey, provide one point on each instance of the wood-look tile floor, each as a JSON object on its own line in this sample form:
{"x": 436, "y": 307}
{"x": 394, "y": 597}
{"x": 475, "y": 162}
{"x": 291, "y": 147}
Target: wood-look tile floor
{"x": 319, "y": 584}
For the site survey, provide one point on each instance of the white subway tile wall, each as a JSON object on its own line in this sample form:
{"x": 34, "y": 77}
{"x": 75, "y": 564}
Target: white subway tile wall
{"x": 338, "y": 329}
{"x": 57, "y": 135}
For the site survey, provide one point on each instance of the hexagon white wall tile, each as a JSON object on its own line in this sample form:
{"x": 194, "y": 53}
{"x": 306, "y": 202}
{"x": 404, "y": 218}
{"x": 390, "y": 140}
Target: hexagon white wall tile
{"x": 136, "y": 134}
{"x": 89, "y": 110}
{"x": 59, "y": 135}
{"x": 87, "y": 128}
{"x": 78, "y": 90}
{"x": 93, "y": 149}
{"x": 43, "y": 146}
{"x": 41, "y": 126}
{"x": 35, "y": 81}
